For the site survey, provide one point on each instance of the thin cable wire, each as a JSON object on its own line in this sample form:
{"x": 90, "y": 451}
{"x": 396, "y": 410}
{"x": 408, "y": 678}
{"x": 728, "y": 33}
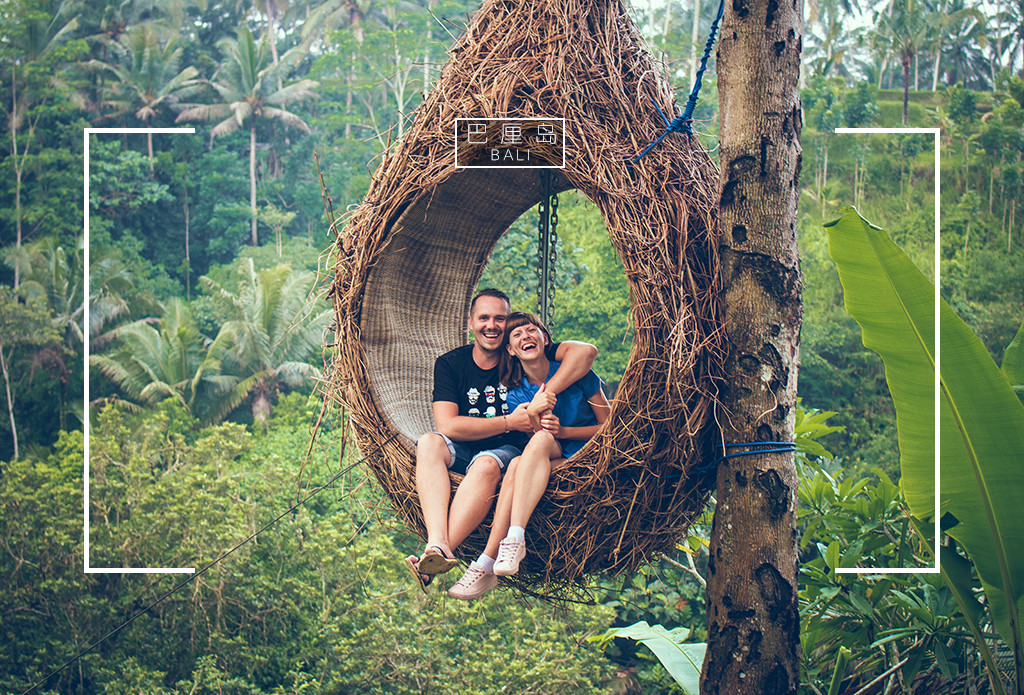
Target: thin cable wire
{"x": 202, "y": 571}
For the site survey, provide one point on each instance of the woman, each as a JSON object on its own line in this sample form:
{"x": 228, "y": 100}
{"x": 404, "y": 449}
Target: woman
{"x": 561, "y": 427}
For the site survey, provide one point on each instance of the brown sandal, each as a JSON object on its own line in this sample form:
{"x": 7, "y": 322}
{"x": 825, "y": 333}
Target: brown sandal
{"x": 422, "y": 580}
{"x": 434, "y": 561}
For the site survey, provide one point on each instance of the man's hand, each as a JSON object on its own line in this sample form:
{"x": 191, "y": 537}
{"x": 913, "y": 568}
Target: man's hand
{"x": 543, "y": 402}
{"x": 519, "y": 420}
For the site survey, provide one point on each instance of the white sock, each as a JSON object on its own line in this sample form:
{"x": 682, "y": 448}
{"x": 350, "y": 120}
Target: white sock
{"x": 516, "y": 533}
{"x": 487, "y": 562}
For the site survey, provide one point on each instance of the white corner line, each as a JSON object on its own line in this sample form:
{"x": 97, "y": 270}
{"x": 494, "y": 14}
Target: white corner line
{"x": 938, "y": 253}
{"x": 85, "y": 342}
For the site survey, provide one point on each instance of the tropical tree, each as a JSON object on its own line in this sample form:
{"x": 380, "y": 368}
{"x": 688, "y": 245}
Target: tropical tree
{"x": 171, "y": 360}
{"x": 904, "y": 29}
{"x": 114, "y": 296}
{"x": 248, "y": 89}
{"x": 26, "y": 335}
{"x": 829, "y": 42}
{"x": 32, "y": 80}
{"x": 275, "y": 325}
{"x": 51, "y": 275}
{"x": 954, "y": 21}
{"x": 753, "y": 615}
{"x": 150, "y": 81}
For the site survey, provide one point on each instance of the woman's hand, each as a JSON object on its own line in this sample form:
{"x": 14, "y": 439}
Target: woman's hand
{"x": 550, "y": 423}
{"x": 543, "y": 402}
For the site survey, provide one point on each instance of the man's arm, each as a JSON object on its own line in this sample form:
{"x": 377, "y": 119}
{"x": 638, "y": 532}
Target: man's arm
{"x": 576, "y": 359}
{"x": 462, "y": 428}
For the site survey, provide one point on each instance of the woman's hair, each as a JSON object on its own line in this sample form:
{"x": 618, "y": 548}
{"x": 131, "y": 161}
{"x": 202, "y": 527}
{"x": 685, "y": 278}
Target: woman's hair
{"x": 510, "y": 371}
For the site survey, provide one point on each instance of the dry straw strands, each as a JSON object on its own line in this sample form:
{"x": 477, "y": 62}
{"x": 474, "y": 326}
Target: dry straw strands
{"x": 412, "y": 253}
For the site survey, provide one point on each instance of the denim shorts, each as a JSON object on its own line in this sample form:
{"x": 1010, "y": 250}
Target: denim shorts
{"x": 464, "y": 454}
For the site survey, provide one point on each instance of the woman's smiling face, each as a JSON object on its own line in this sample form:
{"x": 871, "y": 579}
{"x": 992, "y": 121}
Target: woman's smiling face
{"x": 527, "y": 342}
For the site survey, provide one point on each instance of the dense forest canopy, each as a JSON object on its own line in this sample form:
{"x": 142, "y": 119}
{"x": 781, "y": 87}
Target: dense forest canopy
{"x": 209, "y": 255}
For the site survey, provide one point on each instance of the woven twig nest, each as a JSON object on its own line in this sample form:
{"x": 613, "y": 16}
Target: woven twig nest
{"x": 412, "y": 254}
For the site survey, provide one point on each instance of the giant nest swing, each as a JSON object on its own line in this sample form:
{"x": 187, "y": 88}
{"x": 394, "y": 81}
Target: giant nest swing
{"x": 413, "y": 252}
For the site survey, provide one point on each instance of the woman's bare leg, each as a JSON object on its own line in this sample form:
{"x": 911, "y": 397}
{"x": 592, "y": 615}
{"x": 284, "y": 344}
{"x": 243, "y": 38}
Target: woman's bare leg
{"x": 502, "y": 510}
{"x": 532, "y": 476}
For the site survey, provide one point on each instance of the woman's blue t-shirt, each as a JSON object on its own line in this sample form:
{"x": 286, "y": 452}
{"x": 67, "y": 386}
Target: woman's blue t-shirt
{"x": 571, "y": 409}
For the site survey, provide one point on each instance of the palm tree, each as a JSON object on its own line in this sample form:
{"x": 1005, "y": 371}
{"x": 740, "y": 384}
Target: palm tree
{"x": 171, "y": 360}
{"x": 248, "y": 89}
{"x": 275, "y": 327}
{"x": 51, "y": 275}
{"x": 54, "y": 280}
{"x": 954, "y": 20}
{"x": 26, "y": 335}
{"x": 37, "y": 35}
{"x": 905, "y": 30}
{"x": 964, "y": 34}
{"x": 151, "y": 80}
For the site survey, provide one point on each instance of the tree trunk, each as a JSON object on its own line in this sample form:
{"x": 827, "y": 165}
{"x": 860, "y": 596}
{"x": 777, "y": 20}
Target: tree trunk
{"x": 696, "y": 42}
{"x": 991, "y": 185}
{"x": 17, "y": 179}
{"x": 753, "y": 617}
{"x": 905, "y": 64}
{"x": 938, "y": 51}
{"x": 10, "y": 402}
{"x": 824, "y": 179}
{"x": 665, "y": 26}
{"x": 188, "y": 259}
{"x": 252, "y": 177}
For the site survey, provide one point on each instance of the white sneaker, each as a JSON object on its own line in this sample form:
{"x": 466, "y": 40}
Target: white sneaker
{"x": 510, "y": 554}
{"x": 474, "y": 583}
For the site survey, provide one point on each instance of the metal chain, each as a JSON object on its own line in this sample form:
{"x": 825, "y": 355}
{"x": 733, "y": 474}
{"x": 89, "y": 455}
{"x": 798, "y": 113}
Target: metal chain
{"x": 553, "y": 256}
{"x": 545, "y": 259}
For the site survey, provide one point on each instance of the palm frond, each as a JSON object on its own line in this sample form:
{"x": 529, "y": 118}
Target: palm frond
{"x": 225, "y": 127}
{"x": 296, "y": 374}
{"x": 202, "y": 112}
{"x": 287, "y": 117}
{"x": 228, "y": 93}
{"x": 297, "y": 91}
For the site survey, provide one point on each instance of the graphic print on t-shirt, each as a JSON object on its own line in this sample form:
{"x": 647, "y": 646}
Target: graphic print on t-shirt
{"x": 491, "y": 397}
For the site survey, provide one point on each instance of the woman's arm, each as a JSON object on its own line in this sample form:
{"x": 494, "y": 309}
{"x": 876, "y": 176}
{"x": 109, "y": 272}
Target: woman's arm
{"x": 598, "y": 403}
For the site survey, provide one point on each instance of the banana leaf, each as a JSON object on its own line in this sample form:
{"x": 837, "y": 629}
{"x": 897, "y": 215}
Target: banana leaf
{"x": 1013, "y": 362}
{"x": 981, "y": 419}
{"x": 683, "y": 660}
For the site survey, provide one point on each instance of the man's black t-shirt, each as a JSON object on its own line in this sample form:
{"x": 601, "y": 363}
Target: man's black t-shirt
{"x": 477, "y": 392}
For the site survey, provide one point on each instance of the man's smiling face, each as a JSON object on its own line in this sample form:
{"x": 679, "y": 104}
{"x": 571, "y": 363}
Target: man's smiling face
{"x": 487, "y": 322}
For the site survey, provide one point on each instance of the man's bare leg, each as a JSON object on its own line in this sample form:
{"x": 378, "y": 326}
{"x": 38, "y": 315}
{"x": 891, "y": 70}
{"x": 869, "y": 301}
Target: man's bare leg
{"x": 473, "y": 499}
{"x": 434, "y": 488}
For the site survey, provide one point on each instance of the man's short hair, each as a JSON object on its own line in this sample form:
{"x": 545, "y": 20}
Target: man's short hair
{"x": 489, "y": 292}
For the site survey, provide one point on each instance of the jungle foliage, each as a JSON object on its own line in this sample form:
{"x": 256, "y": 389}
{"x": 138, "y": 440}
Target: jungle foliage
{"x": 205, "y": 348}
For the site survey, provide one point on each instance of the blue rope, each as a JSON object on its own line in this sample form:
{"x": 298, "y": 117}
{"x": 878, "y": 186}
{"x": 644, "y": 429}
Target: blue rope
{"x": 783, "y": 447}
{"x": 684, "y": 123}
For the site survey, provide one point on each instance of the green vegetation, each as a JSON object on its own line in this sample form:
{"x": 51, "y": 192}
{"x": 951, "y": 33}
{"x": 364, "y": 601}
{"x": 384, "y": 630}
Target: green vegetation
{"x": 207, "y": 264}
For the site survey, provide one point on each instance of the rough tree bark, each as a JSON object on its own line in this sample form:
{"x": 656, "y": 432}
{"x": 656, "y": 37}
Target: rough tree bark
{"x": 753, "y": 621}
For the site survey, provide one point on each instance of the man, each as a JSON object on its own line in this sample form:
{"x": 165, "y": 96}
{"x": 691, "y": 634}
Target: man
{"x": 476, "y": 434}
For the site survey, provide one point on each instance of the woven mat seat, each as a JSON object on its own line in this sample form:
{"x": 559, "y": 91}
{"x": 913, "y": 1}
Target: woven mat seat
{"x": 412, "y": 253}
